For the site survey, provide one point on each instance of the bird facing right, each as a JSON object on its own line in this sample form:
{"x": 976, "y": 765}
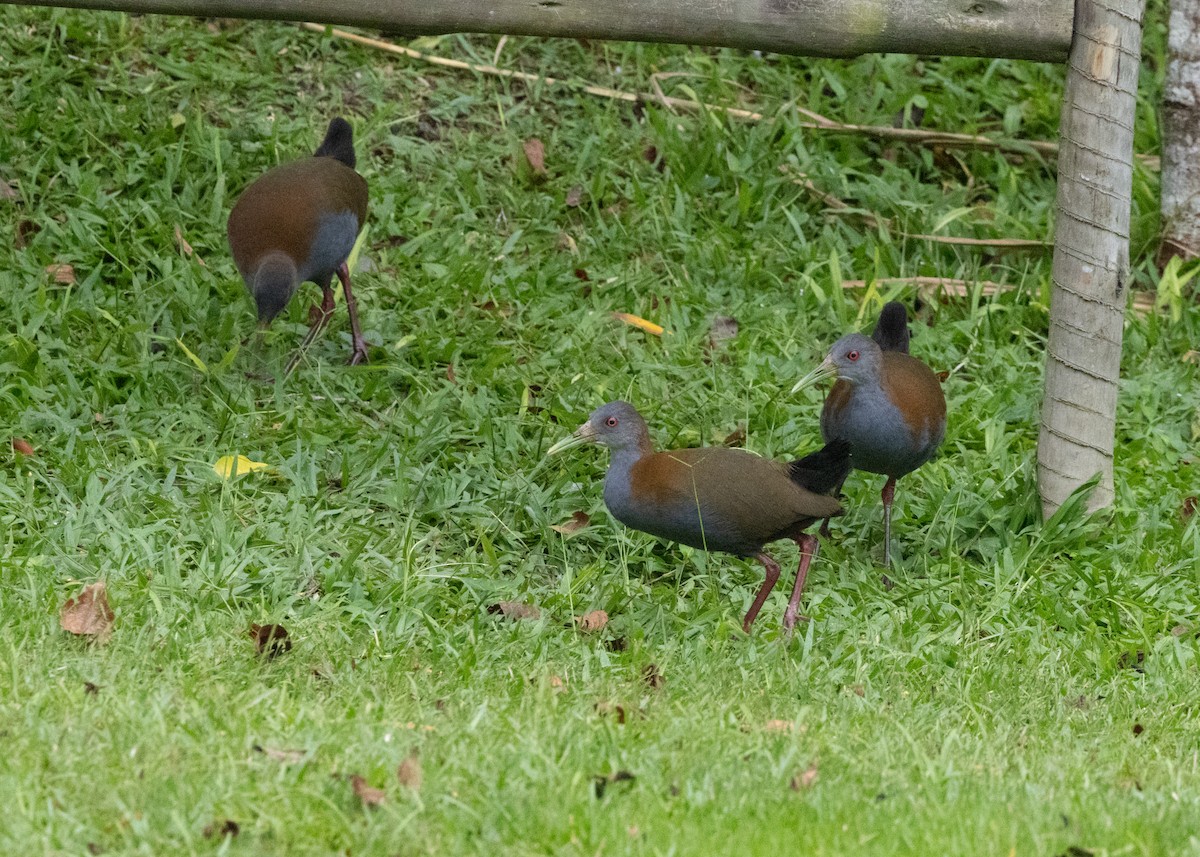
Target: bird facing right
{"x": 887, "y": 404}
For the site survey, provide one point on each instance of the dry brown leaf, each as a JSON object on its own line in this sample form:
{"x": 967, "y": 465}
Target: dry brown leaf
{"x": 723, "y": 329}
{"x": 653, "y": 677}
{"x": 21, "y": 445}
{"x": 88, "y": 613}
{"x": 804, "y": 780}
{"x": 64, "y": 274}
{"x": 1188, "y": 508}
{"x": 557, "y": 682}
{"x": 409, "y": 773}
{"x": 450, "y": 376}
{"x": 270, "y": 640}
{"x": 779, "y": 726}
{"x": 6, "y": 190}
{"x": 591, "y": 622}
{"x": 1191, "y": 356}
{"x": 228, "y": 827}
{"x": 602, "y": 782}
{"x": 535, "y": 153}
{"x": 186, "y": 247}
{"x": 578, "y": 521}
{"x": 515, "y": 610}
{"x": 605, "y": 708}
{"x": 566, "y": 242}
{"x": 286, "y": 757}
{"x": 574, "y": 196}
{"x": 369, "y": 795}
{"x": 737, "y": 437}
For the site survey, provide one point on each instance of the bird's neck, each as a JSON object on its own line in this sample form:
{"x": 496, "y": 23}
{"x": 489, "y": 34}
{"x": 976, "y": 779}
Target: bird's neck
{"x": 623, "y": 458}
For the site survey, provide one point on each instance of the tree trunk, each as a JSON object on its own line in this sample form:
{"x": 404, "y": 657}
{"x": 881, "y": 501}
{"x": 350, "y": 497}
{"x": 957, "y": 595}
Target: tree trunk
{"x": 1091, "y": 253}
{"x": 1181, "y": 137}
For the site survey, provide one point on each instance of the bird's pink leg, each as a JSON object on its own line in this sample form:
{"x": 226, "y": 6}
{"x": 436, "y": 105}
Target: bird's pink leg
{"x": 887, "y": 494}
{"x": 358, "y": 345}
{"x": 772, "y": 569}
{"x": 809, "y": 548}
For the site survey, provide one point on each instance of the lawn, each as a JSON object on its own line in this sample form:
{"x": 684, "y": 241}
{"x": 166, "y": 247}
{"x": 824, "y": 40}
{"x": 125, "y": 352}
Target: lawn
{"x": 1021, "y": 688}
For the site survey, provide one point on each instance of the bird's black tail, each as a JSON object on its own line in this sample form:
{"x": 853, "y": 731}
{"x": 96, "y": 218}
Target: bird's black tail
{"x": 891, "y": 331}
{"x": 823, "y": 471}
{"x": 338, "y": 143}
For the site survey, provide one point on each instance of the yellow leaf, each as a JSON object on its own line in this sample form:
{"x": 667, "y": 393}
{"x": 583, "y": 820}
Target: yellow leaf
{"x": 231, "y": 466}
{"x": 640, "y": 323}
{"x": 199, "y": 363}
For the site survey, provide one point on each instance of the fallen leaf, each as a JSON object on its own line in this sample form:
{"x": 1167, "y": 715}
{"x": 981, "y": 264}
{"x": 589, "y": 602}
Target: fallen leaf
{"x": 602, "y": 782}
{"x": 592, "y": 622}
{"x": 805, "y": 779}
{"x": 232, "y": 466}
{"x": 605, "y": 708}
{"x": 270, "y": 640}
{"x": 1185, "y": 511}
{"x": 582, "y": 274}
{"x": 640, "y": 323}
{"x": 369, "y": 795}
{"x": 286, "y": 757}
{"x": 578, "y": 521}
{"x": 64, "y": 274}
{"x": 88, "y": 613}
{"x": 1132, "y": 660}
{"x": 228, "y": 827}
{"x": 1192, "y": 356}
{"x": 574, "y": 196}
{"x": 942, "y": 376}
{"x": 409, "y": 773}
{"x": 535, "y": 153}
{"x": 737, "y": 437}
{"x": 19, "y": 444}
{"x": 653, "y": 677}
{"x": 779, "y": 726}
{"x": 450, "y": 376}
{"x": 89, "y": 687}
{"x": 186, "y": 247}
{"x": 566, "y": 242}
{"x": 6, "y": 190}
{"x": 722, "y": 329}
{"x": 557, "y": 682}
{"x": 515, "y": 610}
{"x": 26, "y": 229}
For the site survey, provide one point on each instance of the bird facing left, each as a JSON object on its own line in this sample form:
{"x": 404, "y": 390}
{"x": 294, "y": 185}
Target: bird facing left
{"x": 297, "y": 223}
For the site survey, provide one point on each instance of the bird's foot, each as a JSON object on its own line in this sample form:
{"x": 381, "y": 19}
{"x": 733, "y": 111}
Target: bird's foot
{"x": 789, "y": 622}
{"x": 358, "y": 355}
{"x": 888, "y": 583}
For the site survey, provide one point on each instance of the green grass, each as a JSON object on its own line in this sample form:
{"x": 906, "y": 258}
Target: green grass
{"x": 985, "y": 705}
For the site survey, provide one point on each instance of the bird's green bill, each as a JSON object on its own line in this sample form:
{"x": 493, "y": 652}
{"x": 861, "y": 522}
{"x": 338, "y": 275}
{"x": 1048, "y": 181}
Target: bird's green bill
{"x": 823, "y": 372}
{"x": 584, "y": 434}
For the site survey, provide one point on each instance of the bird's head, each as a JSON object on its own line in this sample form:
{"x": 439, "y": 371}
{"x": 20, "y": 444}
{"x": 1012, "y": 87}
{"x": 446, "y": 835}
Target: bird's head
{"x": 854, "y": 358}
{"x": 616, "y": 425}
{"x": 273, "y": 286}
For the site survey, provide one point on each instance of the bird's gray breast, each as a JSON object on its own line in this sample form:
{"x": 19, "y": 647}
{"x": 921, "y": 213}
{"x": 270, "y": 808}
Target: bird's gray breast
{"x": 879, "y": 436}
{"x": 334, "y": 240}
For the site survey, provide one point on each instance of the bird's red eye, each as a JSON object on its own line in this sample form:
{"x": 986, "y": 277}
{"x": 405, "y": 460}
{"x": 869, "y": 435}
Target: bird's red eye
{"x": 852, "y": 356}
{"x": 611, "y": 422}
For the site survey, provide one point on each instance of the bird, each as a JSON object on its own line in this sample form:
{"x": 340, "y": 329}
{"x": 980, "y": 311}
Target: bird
{"x": 716, "y": 498}
{"x": 297, "y": 223}
{"x": 887, "y": 404}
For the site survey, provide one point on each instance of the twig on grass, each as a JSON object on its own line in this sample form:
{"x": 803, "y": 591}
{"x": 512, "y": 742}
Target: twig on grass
{"x": 816, "y": 122}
